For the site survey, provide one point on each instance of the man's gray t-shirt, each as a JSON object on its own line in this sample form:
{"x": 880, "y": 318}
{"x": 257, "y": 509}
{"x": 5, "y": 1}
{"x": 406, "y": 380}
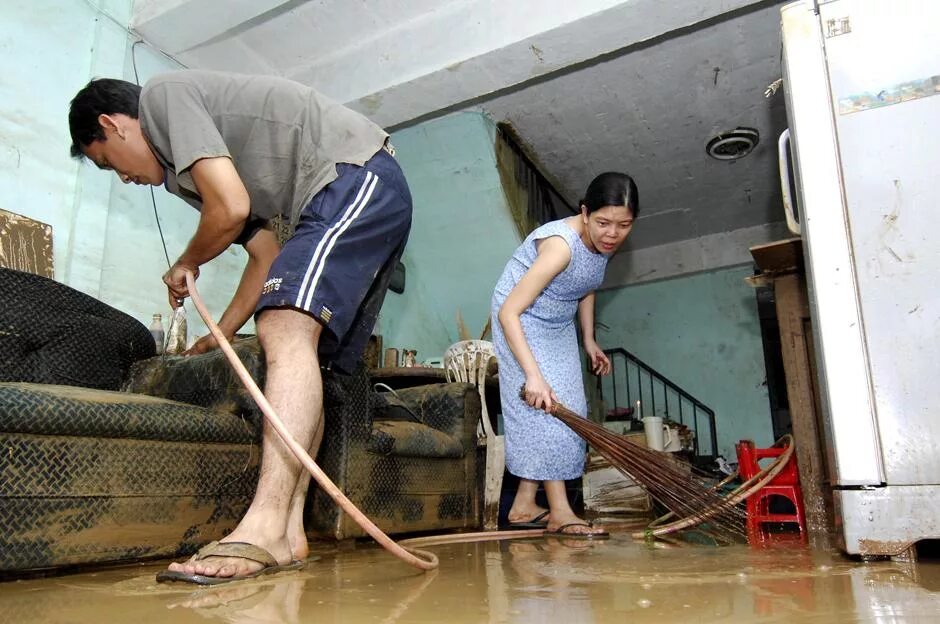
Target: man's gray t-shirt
{"x": 284, "y": 138}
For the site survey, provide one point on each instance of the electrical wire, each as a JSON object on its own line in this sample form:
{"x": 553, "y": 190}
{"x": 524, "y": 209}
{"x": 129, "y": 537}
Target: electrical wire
{"x": 133, "y": 33}
{"x": 138, "y": 40}
{"x": 153, "y": 198}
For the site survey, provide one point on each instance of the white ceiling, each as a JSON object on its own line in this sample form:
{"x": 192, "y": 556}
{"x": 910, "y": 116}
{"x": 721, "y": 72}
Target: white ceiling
{"x": 592, "y": 85}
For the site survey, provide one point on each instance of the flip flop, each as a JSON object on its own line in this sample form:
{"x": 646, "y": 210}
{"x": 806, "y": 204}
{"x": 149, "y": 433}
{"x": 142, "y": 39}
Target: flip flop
{"x": 538, "y": 522}
{"x": 241, "y": 550}
{"x": 560, "y": 532}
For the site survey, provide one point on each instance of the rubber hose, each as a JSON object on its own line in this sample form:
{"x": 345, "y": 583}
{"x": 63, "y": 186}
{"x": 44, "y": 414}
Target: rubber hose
{"x": 743, "y": 492}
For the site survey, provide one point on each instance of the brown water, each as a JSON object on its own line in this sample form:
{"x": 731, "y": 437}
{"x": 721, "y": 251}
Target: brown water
{"x": 524, "y": 581}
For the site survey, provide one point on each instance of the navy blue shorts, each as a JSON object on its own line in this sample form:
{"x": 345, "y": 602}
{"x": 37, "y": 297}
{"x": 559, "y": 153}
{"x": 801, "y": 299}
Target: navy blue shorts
{"x": 338, "y": 263}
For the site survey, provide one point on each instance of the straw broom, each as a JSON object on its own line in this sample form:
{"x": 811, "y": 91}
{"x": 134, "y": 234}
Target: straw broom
{"x": 683, "y": 494}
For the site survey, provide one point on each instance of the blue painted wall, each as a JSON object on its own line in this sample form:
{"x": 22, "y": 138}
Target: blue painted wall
{"x": 50, "y": 49}
{"x": 105, "y": 239}
{"x": 701, "y": 331}
{"x": 461, "y": 237}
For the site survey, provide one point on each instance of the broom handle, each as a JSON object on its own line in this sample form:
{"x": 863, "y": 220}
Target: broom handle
{"x": 556, "y": 408}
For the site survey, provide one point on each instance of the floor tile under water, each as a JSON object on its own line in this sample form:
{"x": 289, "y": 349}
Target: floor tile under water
{"x": 524, "y": 581}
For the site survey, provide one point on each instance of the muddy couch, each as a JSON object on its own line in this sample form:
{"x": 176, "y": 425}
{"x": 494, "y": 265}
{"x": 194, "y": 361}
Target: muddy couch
{"x": 169, "y": 461}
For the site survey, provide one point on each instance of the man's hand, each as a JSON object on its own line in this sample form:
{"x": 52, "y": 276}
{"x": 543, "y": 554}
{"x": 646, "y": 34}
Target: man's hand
{"x": 203, "y": 345}
{"x": 175, "y": 280}
{"x": 600, "y": 363}
{"x": 225, "y": 209}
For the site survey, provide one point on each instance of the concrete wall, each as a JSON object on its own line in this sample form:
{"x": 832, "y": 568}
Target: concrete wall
{"x": 105, "y": 239}
{"x": 49, "y": 50}
{"x": 461, "y": 237}
{"x": 702, "y": 332}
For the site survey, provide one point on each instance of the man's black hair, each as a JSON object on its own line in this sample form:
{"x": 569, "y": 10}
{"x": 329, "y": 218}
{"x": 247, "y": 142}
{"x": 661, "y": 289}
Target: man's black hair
{"x": 101, "y": 96}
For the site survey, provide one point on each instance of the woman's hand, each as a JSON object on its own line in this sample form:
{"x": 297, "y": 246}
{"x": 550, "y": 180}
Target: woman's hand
{"x": 539, "y": 394}
{"x": 600, "y": 363}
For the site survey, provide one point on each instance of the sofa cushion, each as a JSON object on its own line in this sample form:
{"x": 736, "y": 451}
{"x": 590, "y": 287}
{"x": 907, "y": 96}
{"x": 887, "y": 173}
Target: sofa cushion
{"x": 389, "y": 406}
{"x": 206, "y": 380}
{"x": 44, "y": 409}
{"x": 411, "y": 439}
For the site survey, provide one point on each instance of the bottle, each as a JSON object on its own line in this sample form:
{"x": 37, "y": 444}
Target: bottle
{"x": 156, "y": 330}
{"x": 176, "y": 343}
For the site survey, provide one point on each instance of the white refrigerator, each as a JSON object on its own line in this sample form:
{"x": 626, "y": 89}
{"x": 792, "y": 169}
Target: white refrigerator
{"x": 862, "y": 84}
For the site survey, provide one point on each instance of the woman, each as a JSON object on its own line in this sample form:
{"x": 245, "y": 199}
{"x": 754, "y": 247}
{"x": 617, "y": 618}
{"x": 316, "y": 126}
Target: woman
{"x": 550, "y": 276}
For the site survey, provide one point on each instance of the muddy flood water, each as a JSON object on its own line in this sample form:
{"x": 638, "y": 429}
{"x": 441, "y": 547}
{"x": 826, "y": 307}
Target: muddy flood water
{"x": 525, "y": 581}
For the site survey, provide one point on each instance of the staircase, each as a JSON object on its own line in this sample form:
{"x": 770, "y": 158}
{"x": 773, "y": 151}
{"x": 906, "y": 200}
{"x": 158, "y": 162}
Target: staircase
{"x": 633, "y": 380}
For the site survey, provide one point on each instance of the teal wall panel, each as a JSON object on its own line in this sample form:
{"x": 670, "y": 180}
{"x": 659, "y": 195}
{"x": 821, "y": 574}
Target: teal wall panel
{"x": 461, "y": 237}
{"x": 702, "y": 332}
{"x": 105, "y": 239}
{"x": 50, "y": 49}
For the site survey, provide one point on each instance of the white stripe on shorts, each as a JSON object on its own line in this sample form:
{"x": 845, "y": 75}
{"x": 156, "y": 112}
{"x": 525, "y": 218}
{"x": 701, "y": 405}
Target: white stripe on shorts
{"x": 315, "y": 268}
{"x": 343, "y": 227}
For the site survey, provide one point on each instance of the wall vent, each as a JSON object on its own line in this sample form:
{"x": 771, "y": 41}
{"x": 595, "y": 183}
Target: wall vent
{"x": 732, "y": 144}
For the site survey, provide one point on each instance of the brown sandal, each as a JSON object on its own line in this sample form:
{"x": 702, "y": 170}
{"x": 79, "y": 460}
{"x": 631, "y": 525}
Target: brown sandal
{"x": 241, "y": 550}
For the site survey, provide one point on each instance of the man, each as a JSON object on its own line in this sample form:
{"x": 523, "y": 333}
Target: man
{"x": 260, "y": 156}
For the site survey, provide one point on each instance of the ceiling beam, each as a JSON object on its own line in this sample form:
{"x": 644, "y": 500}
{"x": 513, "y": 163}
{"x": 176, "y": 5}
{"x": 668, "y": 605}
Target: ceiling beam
{"x": 592, "y": 38}
{"x": 179, "y": 25}
{"x": 457, "y": 54}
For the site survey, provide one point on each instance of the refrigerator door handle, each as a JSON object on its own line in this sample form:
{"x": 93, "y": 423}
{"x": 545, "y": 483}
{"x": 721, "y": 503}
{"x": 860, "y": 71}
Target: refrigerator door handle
{"x": 783, "y": 152}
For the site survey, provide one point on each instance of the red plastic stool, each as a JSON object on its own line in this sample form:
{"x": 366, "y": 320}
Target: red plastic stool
{"x": 785, "y": 484}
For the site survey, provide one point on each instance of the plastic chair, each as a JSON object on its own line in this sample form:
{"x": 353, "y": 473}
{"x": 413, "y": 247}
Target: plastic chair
{"x": 786, "y": 485}
{"x": 466, "y": 361}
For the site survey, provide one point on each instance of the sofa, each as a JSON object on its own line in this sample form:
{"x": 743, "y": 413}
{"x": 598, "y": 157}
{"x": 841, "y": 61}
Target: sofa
{"x": 407, "y": 459}
{"x": 168, "y": 460}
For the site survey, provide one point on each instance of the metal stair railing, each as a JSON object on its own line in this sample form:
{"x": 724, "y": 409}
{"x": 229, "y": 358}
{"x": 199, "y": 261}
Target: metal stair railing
{"x": 631, "y": 380}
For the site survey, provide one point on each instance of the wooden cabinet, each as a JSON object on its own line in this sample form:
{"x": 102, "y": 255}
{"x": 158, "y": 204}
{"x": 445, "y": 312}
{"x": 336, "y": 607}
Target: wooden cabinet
{"x": 781, "y": 265}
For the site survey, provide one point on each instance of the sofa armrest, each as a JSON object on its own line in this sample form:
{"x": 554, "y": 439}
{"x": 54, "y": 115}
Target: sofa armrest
{"x": 206, "y": 380}
{"x": 453, "y": 408}
{"x": 53, "y": 334}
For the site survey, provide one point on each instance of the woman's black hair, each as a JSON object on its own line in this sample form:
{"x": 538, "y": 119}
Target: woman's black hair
{"x": 102, "y": 96}
{"x": 612, "y": 189}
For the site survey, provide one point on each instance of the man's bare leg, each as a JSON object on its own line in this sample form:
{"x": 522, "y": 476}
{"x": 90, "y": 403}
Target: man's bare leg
{"x": 295, "y": 390}
{"x": 296, "y": 536}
